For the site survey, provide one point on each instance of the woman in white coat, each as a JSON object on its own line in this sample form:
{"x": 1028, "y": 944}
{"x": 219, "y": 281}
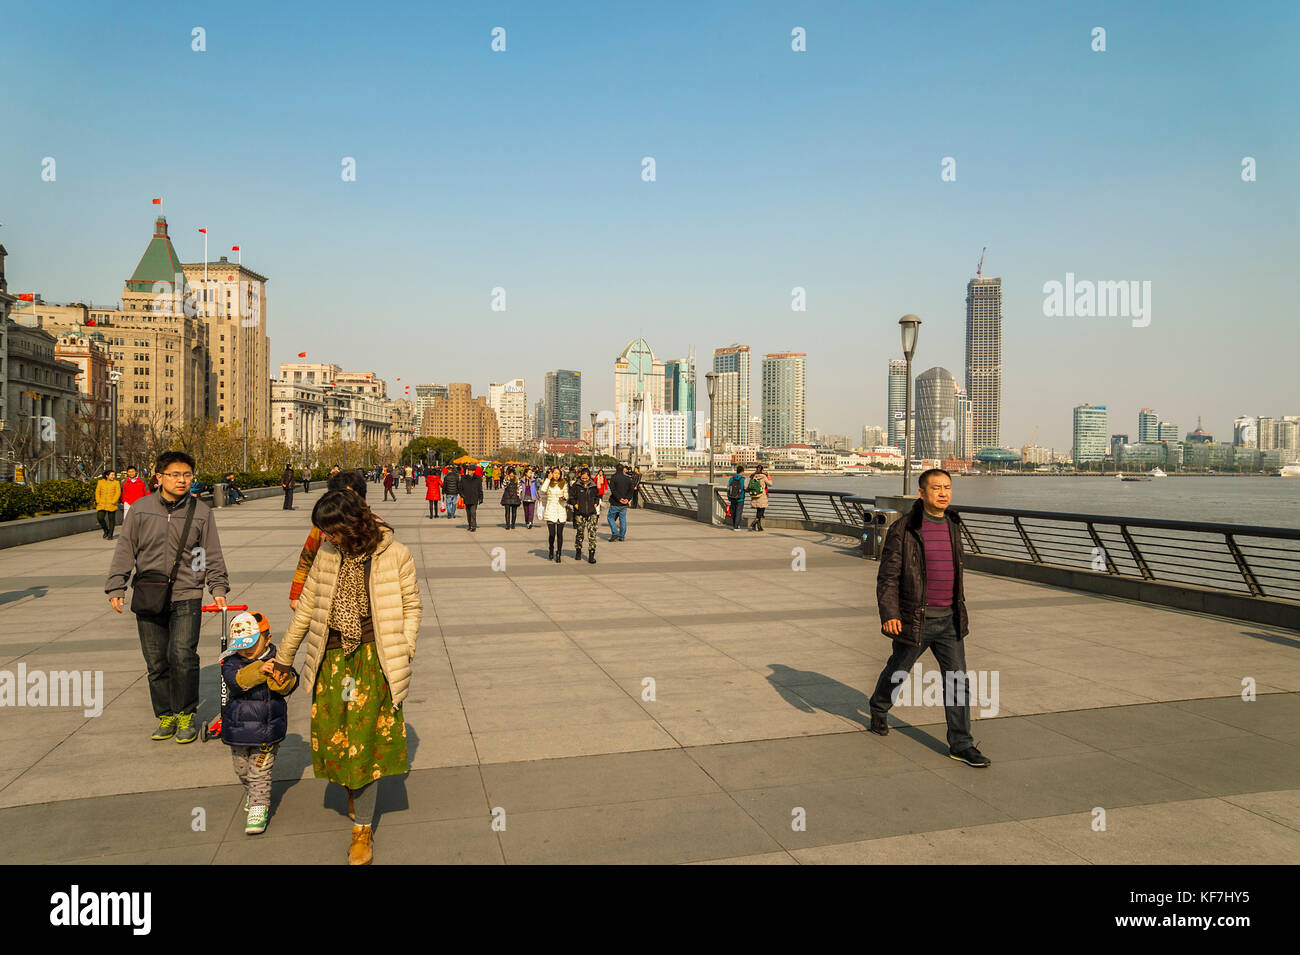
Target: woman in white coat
{"x": 553, "y": 495}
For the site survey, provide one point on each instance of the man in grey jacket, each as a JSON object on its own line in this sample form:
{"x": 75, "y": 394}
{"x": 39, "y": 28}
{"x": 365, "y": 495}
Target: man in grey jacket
{"x": 150, "y": 537}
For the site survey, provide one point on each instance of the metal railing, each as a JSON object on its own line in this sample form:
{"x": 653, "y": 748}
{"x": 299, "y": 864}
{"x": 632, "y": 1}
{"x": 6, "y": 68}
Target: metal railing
{"x": 1251, "y": 562}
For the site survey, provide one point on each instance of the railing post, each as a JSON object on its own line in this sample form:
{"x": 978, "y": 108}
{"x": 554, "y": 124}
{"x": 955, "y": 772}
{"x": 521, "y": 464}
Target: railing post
{"x": 1138, "y": 559}
{"x": 1029, "y": 545}
{"x": 799, "y": 500}
{"x": 1246, "y": 573}
{"x": 1096, "y": 539}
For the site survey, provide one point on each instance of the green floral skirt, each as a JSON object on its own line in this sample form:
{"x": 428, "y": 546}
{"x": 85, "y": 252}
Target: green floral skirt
{"x": 355, "y": 740}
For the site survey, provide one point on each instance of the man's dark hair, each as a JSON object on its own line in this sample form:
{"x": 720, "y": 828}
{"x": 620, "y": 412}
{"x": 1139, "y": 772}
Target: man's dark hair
{"x": 171, "y": 457}
{"x": 740, "y": 469}
{"x": 348, "y": 479}
{"x": 924, "y": 479}
{"x": 130, "y": 467}
{"x": 620, "y": 468}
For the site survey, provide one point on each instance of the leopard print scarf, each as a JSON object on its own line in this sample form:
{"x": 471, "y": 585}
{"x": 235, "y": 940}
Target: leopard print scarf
{"x": 351, "y": 601}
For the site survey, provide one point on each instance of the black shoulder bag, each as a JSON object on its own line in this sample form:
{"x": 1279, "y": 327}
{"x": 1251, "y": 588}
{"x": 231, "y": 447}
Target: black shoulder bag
{"x": 151, "y": 592}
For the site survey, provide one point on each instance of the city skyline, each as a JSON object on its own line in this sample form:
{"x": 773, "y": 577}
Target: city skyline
{"x": 761, "y": 188}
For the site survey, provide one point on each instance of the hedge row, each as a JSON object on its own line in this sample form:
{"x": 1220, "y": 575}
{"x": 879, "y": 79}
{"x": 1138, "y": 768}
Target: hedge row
{"x": 58, "y": 497}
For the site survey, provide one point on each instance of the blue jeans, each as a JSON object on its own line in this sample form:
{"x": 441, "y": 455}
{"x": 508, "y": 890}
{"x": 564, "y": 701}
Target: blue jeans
{"x": 170, "y": 644}
{"x": 737, "y": 508}
{"x": 451, "y": 505}
{"x": 940, "y": 637}
{"x": 618, "y": 512}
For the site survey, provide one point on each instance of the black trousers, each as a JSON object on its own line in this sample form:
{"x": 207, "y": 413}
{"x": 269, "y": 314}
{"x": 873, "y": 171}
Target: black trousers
{"x": 288, "y": 496}
{"x": 512, "y": 514}
{"x": 107, "y": 520}
{"x": 555, "y": 536}
{"x": 471, "y": 511}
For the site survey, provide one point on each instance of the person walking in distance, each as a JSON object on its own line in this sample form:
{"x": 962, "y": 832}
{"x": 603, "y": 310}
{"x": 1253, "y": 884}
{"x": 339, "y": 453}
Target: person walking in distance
{"x": 471, "y": 492}
{"x": 107, "y": 493}
{"x": 759, "y": 483}
{"x": 586, "y": 510}
{"x": 554, "y": 497}
{"x": 170, "y": 540}
{"x": 389, "y": 481}
{"x": 919, "y": 591}
{"x": 528, "y": 494}
{"x": 132, "y": 490}
{"x": 451, "y": 489}
{"x": 510, "y": 497}
{"x": 433, "y": 492}
{"x": 410, "y": 479}
{"x": 306, "y": 480}
{"x": 359, "y": 619}
{"x": 287, "y": 481}
{"x": 736, "y": 496}
{"x": 620, "y": 496}
{"x": 636, "y": 487}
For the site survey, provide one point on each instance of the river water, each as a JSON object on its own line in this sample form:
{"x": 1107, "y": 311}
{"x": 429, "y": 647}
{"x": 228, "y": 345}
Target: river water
{"x": 1258, "y": 501}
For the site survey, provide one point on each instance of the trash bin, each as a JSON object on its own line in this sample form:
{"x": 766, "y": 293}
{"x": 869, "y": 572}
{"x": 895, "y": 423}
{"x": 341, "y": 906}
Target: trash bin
{"x": 874, "y": 524}
{"x": 219, "y": 494}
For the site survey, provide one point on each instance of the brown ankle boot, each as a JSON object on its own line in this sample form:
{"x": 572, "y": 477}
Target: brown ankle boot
{"x": 352, "y": 807}
{"x": 362, "y": 849}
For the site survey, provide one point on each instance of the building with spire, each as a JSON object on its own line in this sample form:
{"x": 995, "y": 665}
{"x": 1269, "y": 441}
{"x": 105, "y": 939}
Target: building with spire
{"x": 638, "y": 393}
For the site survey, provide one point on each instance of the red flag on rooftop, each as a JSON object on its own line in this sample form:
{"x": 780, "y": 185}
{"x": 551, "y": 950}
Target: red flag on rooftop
{"x": 27, "y": 297}
{"x": 157, "y": 202}
{"x": 302, "y": 354}
{"x": 234, "y": 248}
{"x": 90, "y": 321}
{"x": 204, "y": 231}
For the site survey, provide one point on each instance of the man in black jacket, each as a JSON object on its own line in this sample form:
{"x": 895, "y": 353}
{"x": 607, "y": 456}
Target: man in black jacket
{"x": 620, "y": 496}
{"x": 585, "y": 499}
{"x": 471, "y": 492}
{"x": 450, "y": 488}
{"x": 922, "y": 603}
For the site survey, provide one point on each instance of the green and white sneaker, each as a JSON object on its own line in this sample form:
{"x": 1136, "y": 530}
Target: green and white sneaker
{"x": 186, "y": 731}
{"x": 258, "y": 816}
{"x": 166, "y": 727}
{"x": 245, "y": 802}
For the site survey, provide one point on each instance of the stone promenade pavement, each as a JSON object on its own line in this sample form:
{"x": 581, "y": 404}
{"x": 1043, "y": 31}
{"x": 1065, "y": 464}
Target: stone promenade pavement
{"x": 531, "y": 705}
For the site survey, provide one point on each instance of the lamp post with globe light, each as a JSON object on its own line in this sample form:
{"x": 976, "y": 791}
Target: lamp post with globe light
{"x": 910, "y": 326}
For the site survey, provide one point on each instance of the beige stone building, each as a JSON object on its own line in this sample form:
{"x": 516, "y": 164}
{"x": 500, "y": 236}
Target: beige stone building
{"x": 232, "y": 303}
{"x": 41, "y": 401}
{"x": 464, "y": 418}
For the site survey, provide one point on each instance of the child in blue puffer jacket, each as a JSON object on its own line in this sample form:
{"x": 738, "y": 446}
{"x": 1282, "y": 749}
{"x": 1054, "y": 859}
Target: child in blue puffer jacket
{"x": 254, "y": 718}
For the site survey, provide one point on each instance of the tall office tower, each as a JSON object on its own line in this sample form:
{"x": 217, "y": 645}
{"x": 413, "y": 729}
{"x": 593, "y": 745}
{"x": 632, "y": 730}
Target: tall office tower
{"x": 466, "y": 419}
{"x": 984, "y": 359}
{"x": 1148, "y": 426}
{"x": 873, "y": 436}
{"x": 539, "y": 418}
{"x": 425, "y": 396}
{"x": 563, "y": 396}
{"x": 1266, "y": 433}
{"x": 510, "y": 401}
{"x": 1244, "y": 432}
{"x": 726, "y": 395}
{"x": 1089, "y": 433}
{"x": 639, "y": 383}
{"x": 1287, "y": 435}
{"x": 232, "y": 302}
{"x": 965, "y": 426}
{"x": 733, "y": 417}
{"x": 679, "y": 391}
{"x": 1167, "y": 432}
{"x": 936, "y": 414}
{"x": 897, "y": 400}
{"x": 785, "y": 398}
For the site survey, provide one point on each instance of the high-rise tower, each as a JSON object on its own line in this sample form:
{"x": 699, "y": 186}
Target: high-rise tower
{"x": 984, "y": 359}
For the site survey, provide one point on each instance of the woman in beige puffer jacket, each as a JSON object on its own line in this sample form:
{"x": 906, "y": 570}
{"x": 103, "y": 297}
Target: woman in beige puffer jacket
{"x": 359, "y": 615}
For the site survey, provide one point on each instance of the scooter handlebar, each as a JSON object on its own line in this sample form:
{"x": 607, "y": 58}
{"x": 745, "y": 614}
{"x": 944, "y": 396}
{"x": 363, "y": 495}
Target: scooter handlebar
{"x": 213, "y": 608}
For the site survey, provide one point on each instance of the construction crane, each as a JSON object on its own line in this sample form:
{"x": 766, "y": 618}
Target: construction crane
{"x": 980, "y": 266}
{"x": 1032, "y": 436}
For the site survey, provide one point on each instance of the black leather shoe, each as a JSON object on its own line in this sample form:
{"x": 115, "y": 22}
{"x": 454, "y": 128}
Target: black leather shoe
{"x": 557, "y": 558}
{"x": 880, "y": 725}
{"x": 591, "y": 558}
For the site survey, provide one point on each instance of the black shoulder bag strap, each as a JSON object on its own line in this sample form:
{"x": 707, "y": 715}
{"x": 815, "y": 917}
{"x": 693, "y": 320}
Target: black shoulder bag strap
{"x": 185, "y": 533}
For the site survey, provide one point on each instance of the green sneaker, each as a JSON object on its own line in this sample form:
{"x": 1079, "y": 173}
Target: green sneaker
{"x": 258, "y": 816}
{"x": 186, "y": 731}
{"x": 245, "y": 802}
{"x": 166, "y": 727}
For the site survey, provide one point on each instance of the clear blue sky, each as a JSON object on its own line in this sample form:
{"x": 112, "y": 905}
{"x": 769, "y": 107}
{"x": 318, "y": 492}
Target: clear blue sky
{"x": 775, "y": 169}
